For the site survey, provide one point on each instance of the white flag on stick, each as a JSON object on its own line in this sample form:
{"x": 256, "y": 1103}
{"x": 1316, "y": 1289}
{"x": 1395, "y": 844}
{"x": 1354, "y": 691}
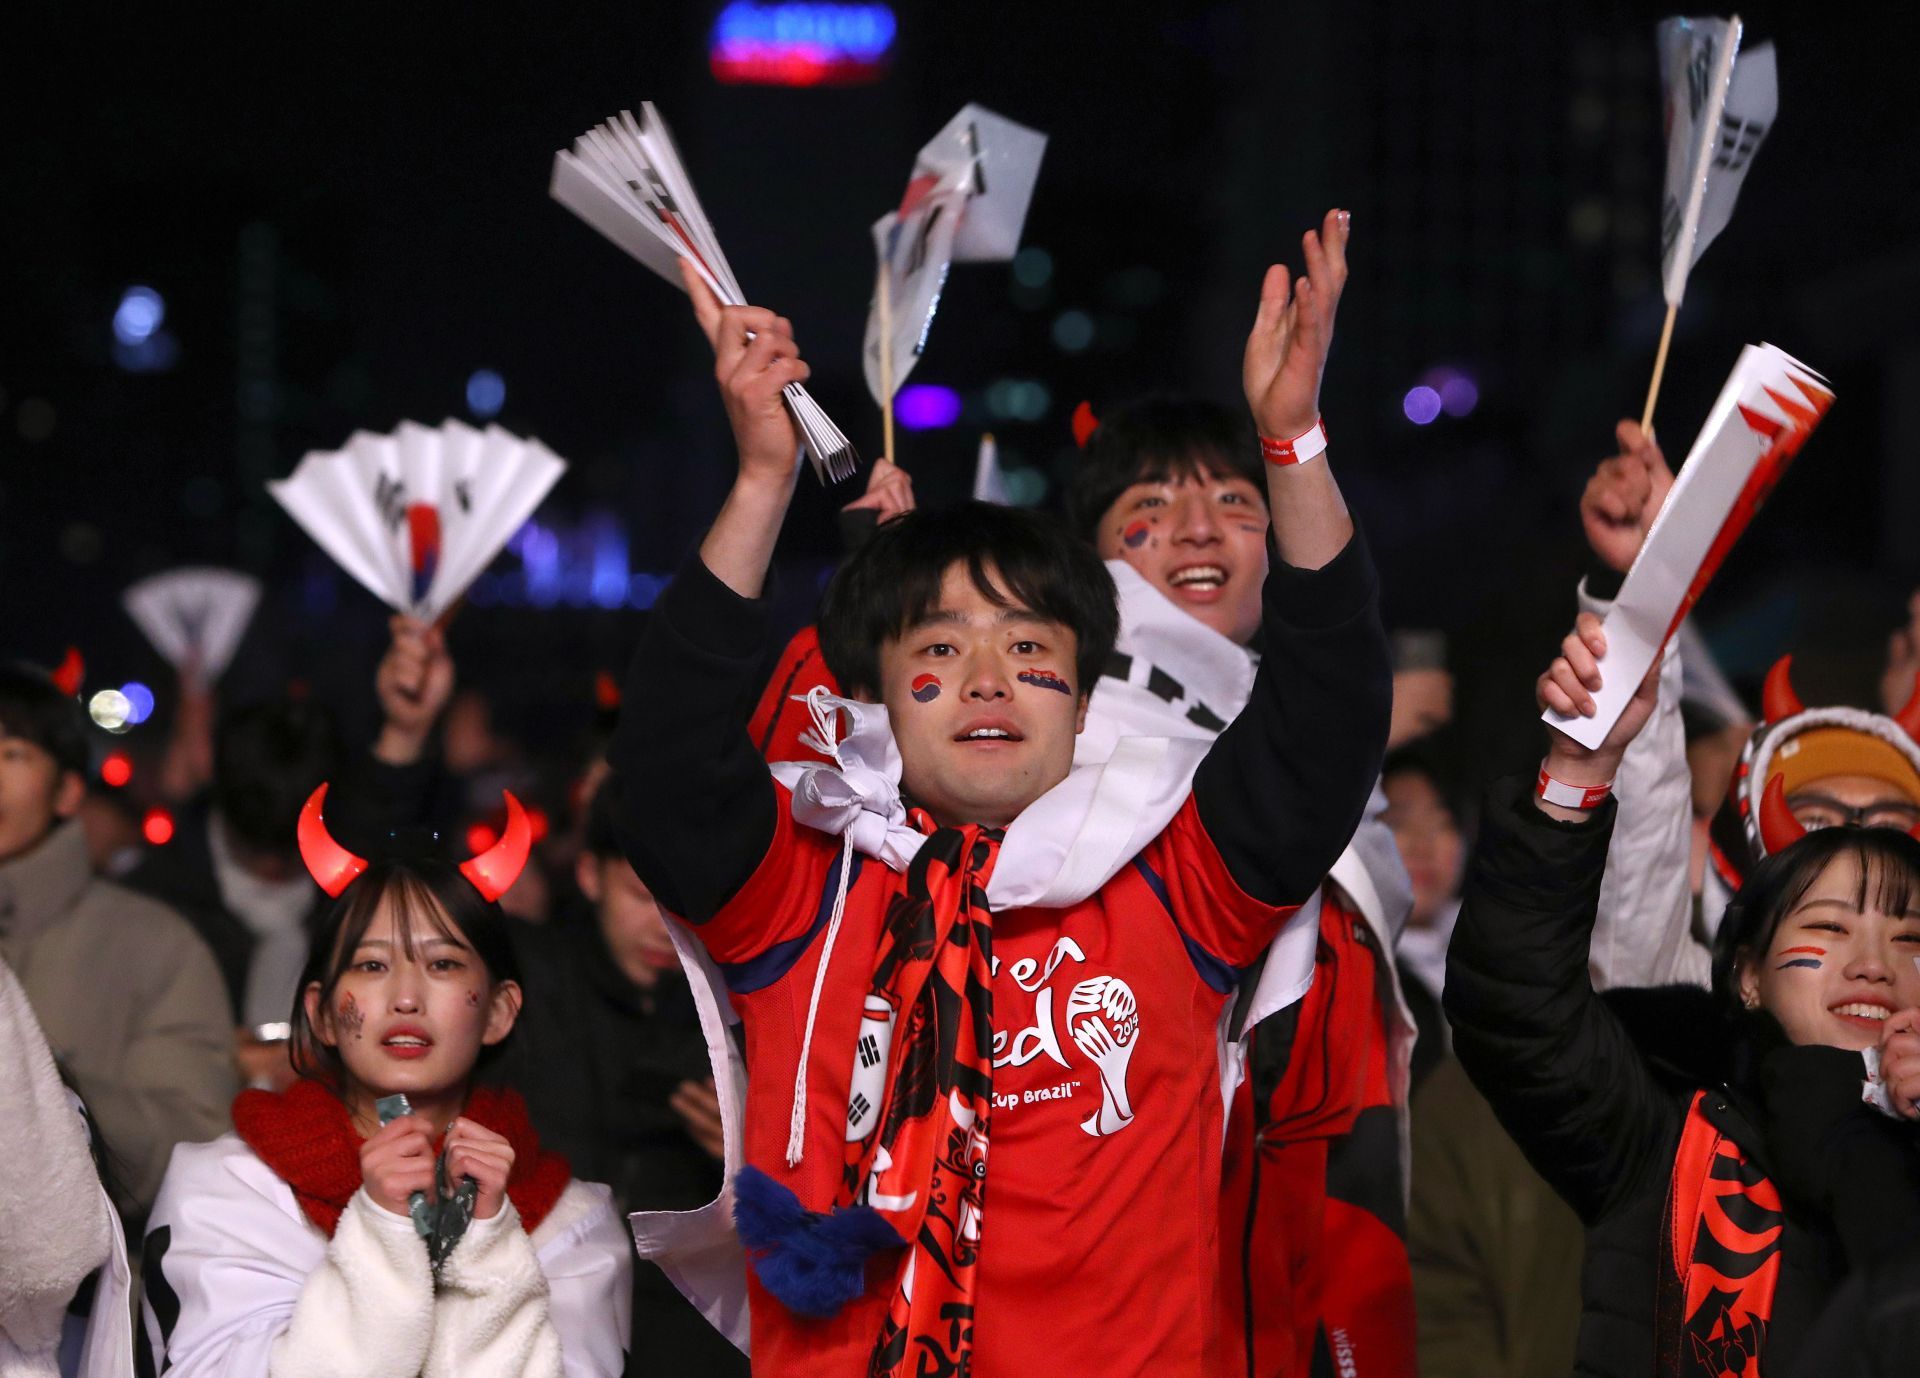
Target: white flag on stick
{"x": 194, "y": 616}
{"x": 1720, "y": 103}
{"x": 625, "y": 178}
{"x": 965, "y": 203}
{"x": 418, "y": 515}
{"x": 1766, "y": 411}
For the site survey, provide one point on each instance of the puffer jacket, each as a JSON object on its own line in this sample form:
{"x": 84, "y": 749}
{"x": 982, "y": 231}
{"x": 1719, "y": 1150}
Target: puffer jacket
{"x": 1596, "y": 1093}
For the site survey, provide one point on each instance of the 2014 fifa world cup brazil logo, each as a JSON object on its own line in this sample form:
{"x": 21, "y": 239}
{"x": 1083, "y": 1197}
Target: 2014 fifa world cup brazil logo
{"x": 1103, "y": 1019}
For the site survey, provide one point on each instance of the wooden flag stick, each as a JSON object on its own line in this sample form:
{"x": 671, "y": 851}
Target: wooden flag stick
{"x": 886, "y": 366}
{"x": 1659, "y": 369}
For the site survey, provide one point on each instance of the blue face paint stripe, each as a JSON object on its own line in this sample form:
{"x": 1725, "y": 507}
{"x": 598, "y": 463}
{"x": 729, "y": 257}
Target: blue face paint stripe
{"x": 1813, "y": 962}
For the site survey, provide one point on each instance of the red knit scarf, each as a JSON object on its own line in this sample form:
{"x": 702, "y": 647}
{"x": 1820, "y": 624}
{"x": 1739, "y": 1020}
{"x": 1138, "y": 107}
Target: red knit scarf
{"x": 309, "y": 1141}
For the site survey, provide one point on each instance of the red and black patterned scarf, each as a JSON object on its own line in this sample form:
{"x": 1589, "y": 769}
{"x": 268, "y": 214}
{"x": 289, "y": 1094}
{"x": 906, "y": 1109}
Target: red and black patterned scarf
{"x": 308, "y": 1139}
{"x": 1720, "y": 1258}
{"x": 918, "y": 1153}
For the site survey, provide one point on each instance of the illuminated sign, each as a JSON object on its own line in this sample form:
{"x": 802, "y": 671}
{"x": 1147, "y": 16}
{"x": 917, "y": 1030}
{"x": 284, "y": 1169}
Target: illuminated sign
{"x": 800, "y": 44}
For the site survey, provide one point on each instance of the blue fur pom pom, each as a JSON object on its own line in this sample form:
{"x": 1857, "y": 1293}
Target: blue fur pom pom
{"x": 813, "y": 1263}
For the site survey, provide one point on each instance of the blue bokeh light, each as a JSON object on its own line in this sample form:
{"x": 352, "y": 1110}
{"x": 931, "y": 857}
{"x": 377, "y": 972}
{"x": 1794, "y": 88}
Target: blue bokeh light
{"x": 139, "y": 701}
{"x": 140, "y": 313}
{"x": 486, "y": 393}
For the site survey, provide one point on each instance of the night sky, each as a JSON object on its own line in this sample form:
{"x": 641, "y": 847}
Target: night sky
{"x": 345, "y": 210}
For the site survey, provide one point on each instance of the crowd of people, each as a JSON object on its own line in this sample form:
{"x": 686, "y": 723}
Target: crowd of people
{"x": 1066, "y": 953}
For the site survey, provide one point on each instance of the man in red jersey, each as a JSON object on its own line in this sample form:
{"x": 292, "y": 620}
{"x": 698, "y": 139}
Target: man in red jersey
{"x": 957, "y": 960}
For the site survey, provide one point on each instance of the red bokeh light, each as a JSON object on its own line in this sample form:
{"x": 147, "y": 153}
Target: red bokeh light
{"x": 157, "y": 827}
{"x": 480, "y": 837}
{"x": 116, "y": 770}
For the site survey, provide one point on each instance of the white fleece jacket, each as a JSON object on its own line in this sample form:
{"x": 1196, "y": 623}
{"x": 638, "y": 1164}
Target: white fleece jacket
{"x": 240, "y": 1284}
{"x": 55, "y": 1224}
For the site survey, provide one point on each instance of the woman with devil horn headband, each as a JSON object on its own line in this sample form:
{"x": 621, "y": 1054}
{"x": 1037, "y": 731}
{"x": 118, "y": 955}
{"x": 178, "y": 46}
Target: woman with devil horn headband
{"x": 1735, "y": 1156}
{"x": 386, "y": 1215}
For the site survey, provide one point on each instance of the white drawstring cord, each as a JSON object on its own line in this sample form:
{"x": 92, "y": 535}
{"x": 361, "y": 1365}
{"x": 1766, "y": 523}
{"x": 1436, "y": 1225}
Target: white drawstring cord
{"x": 823, "y": 739}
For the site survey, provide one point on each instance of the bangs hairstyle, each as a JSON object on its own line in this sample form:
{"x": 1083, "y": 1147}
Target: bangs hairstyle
{"x": 1889, "y": 881}
{"x": 894, "y": 582}
{"x": 431, "y": 900}
{"x": 33, "y": 708}
{"x": 1156, "y": 439}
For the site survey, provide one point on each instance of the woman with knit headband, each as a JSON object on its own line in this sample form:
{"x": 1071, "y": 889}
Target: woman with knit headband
{"x": 386, "y": 1218}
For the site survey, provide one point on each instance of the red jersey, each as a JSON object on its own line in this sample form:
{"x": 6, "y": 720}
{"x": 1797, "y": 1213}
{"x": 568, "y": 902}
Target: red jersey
{"x": 1314, "y": 1231}
{"x": 1105, "y": 1152}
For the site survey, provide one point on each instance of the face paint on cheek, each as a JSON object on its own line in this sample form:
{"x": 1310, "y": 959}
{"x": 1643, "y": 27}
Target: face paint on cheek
{"x": 1811, "y": 962}
{"x": 1136, "y": 534}
{"x": 350, "y": 1017}
{"x": 1045, "y": 679}
{"x": 926, "y": 688}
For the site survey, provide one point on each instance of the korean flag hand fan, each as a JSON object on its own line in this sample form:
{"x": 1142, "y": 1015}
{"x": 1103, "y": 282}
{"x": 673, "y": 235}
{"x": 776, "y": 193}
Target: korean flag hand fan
{"x": 416, "y": 516}
{"x": 194, "y": 617}
{"x": 625, "y": 178}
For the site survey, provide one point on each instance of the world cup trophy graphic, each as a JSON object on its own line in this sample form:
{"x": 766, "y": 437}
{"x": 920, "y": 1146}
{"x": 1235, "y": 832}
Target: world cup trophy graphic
{"x": 1103, "y": 1019}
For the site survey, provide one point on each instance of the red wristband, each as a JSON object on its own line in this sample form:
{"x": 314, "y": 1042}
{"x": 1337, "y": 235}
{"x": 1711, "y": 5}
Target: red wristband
{"x": 1570, "y": 796}
{"x": 1303, "y": 447}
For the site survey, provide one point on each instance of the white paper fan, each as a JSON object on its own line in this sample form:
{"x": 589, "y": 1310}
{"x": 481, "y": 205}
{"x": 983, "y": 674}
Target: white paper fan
{"x": 625, "y": 178}
{"x": 416, "y": 516}
{"x": 194, "y": 616}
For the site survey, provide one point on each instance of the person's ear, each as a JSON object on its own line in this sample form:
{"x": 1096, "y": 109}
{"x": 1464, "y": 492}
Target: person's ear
{"x": 1746, "y": 967}
{"x": 586, "y": 874}
{"x": 1080, "y": 718}
{"x": 503, "y": 1010}
{"x": 319, "y": 1017}
{"x": 69, "y": 794}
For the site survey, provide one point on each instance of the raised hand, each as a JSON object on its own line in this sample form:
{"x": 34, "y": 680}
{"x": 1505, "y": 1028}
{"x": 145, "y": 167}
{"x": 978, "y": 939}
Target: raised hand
{"x": 754, "y": 358}
{"x": 396, "y": 1162}
{"x": 1287, "y": 351}
{"x": 1900, "y": 1061}
{"x": 475, "y": 1151}
{"x": 1623, "y": 497}
{"x": 413, "y": 684}
{"x": 698, "y": 1106}
{"x": 1568, "y": 687}
{"x": 889, "y": 493}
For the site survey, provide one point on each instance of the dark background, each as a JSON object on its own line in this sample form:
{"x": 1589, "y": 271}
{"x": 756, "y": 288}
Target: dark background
{"x": 345, "y": 209}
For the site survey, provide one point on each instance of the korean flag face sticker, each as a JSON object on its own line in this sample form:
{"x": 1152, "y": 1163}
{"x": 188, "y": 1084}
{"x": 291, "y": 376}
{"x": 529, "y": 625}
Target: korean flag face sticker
{"x": 1045, "y": 679}
{"x": 926, "y": 688}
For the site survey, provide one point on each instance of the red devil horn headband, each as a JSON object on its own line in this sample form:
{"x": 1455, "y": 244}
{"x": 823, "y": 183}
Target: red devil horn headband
{"x": 334, "y": 868}
{"x": 1085, "y": 423}
{"x": 494, "y": 871}
{"x": 1778, "y": 701}
{"x": 1779, "y": 829}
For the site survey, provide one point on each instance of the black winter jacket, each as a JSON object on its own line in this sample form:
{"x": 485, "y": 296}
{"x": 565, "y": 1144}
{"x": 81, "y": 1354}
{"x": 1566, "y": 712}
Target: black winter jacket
{"x": 1596, "y": 1091}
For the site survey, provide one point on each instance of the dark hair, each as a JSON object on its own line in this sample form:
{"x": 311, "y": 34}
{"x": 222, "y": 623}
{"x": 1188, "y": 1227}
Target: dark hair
{"x": 1013, "y": 557}
{"x": 427, "y": 891}
{"x": 267, "y": 758}
{"x": 1889, "y": 875}
{"x": 1154, "y": 439}
{"x": 602, "y": 834}
{"x": 33, "y": 708}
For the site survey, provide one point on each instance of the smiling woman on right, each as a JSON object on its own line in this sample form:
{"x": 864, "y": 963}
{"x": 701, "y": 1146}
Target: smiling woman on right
{"x": 1724, "y": 1150}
